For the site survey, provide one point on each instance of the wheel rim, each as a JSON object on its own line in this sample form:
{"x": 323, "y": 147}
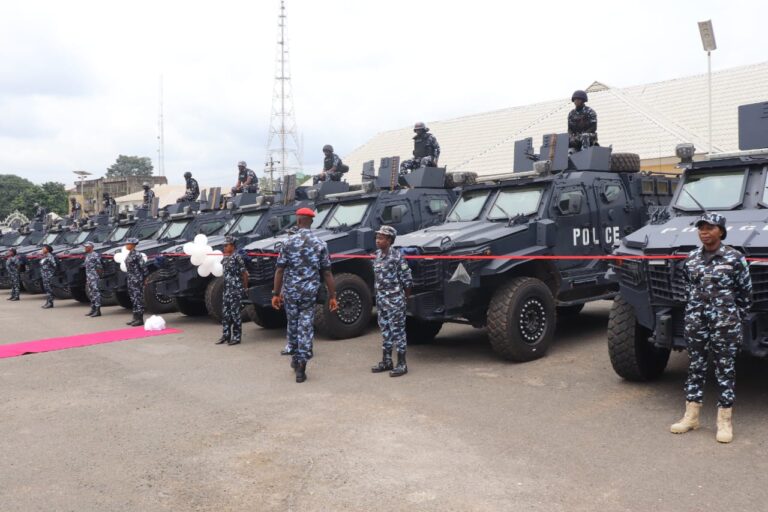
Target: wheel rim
{"x": 162, "y": 299}
{"x": 350, "y": 306}
{"x": 532, "y": 320}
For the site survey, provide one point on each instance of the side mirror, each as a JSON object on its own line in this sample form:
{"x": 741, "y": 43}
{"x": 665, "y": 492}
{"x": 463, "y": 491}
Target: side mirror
{"x": 398, "y": 212}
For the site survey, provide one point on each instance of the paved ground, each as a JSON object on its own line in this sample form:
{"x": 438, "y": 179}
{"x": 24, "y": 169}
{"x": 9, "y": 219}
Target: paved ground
{"x": 175, "y": 423}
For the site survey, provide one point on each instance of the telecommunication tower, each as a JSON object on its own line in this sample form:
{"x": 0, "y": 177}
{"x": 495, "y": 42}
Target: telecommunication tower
{"x": 161, "y": 135}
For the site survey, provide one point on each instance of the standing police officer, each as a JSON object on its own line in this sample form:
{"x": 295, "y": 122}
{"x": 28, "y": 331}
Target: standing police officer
{"x": 40, "y": 212}
{"x": 193, "y": 189}
{"x": 135, "y": 268}
{"x": 12, "y": 263}
{"x": 333, "y": 168}
{"x": 393, "y": 282}
{"x": 109, "y": 205}
{"x": 149, "y": 195}
{"x": 93, "y": 268}
{"x": 582, "y": 123}
{"x": 303, "y": 258}
{"x": 47, "y": 269}
{"x": 235, "y": 284}
{"x": 719, "y": 288}
{"x": 246, "y": 180}
{"x": 75, "y": 209}
{"x": 426, "y": 150}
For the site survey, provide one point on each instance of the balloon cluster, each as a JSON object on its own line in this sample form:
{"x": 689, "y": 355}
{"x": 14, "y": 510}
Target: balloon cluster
{"x": 204, "y": 257}
{"x": 120, "y": 258}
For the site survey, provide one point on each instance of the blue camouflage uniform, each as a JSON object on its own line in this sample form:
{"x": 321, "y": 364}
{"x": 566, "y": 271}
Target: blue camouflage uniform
{"x": 47, "y": 269}
{"x": 231, "y": 310}
{"x": 135, "y": 279}
{"x": 242, "y": 177}
{"x": 12, "y": 264}
{"x": 304, "y": 258}
{"x": 719, "y": 288}
{"x": 580, "y": 121}
{"x": 92, "y": 265}
{"x": 392, "y": 278}
{"x": 426, "y": 152}
{"x": 149, "y": 196}
{"x": 193, "y": 190}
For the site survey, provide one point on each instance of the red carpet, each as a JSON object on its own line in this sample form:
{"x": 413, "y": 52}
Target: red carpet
{"x": 80, "y": 340}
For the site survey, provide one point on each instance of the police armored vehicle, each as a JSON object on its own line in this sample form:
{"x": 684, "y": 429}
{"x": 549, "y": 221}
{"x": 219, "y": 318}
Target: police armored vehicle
{"x": 347, "y": 222}
{"x": 647, "y": 317}
{"x": 27, "y": 236}
{"x": 518, "y": 248}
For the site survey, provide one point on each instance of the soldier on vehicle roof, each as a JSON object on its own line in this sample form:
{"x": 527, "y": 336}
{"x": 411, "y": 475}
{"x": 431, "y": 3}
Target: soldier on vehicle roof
{"x": 149, "y": 195}
{"x": 333, "y": 168}
{"x": 582, "y": 123}
{"x": 426, "y": 150}
{"x": 75, "y": 209}
{"x": 193, "y": 189}
{"x": 246, "y": 180}
{"x": 40, "y": 212}
{"x": 235, "y": 284}
{"x": 109, "y": 204}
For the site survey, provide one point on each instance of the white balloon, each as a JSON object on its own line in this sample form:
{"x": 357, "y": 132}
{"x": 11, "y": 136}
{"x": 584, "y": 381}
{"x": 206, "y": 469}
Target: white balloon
{"x": 201, "y": 239}
{"x": 203, "y": 271}
{"x": 218, "y": 269}
{"x": 123, "y": 267}
{"x": 143, "y": 257}
{"x": 189, "y": 248}
{"x": 197, "y": 258}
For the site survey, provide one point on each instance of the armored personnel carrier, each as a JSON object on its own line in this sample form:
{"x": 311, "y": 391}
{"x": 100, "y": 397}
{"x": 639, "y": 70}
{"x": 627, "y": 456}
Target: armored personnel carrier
{"x": 27, "y": 236}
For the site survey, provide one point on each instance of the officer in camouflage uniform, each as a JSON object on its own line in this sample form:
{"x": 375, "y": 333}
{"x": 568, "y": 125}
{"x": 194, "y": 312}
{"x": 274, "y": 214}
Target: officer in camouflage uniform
{"x": 426, "y": 150}
{"x": 47, "y": 269}
{"x": 149, "y": 195}
{"x": 582, "y": 123}
{"x": 40, "y": 212}
{"x": 235, "y": 284}
{"x": 719, "y": 288}
{"x": 93, "y": 268}
{"x": 75, "y": 209}
{"x": 193, "y": 189}
{"x": 12, "y": 263}
{"x": 246, "y": 180}
{"x": 333, "y": 167}
{"x": 393, "y": 284}
{"x": 136, "y": 274}
{"x": 109, "y": 205}
{"x": 302, "y": 260}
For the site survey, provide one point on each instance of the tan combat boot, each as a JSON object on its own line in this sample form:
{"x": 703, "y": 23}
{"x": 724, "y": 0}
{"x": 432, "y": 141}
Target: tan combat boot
{"x": 724, "y": 425}
{"x": 690, "y": 420}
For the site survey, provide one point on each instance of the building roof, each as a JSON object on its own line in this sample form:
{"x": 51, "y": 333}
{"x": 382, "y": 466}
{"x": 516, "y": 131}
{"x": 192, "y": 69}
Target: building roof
{"x": 649, "y": 119}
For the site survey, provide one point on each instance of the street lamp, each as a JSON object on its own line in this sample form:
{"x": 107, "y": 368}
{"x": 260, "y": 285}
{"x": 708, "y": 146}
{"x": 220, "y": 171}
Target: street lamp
{"x": 708, "y": 41}
{"x": 81, "y": 176}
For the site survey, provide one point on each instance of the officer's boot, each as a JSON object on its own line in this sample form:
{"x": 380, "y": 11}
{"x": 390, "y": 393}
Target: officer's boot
{"x": 91, "y": 312}
{"x": 401, "y": 368}
{"x": 301, "y": 371}
{"x": 96, "y": 311}
{"x": 137, "y": 320}
{"x": 133, "y": 319}
{"x": 222, "y": 340}
{"x": 48, "y": 304}
{"x": 385, "y": 364}
{"x": 689, "y": 421}
{"x": 724, "y": 425}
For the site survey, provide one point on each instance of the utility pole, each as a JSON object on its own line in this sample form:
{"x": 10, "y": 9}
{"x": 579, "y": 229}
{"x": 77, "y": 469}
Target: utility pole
{"x": 161, "y": 135}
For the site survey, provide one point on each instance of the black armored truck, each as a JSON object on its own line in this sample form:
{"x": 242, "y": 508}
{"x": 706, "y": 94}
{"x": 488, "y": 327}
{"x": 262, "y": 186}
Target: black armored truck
{"x": 520, "y": 248}
{"x": 647, "y": 317}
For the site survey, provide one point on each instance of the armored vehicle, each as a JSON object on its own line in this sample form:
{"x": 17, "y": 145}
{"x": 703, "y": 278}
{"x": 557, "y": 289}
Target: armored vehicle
{"x": 647, "y": 317}
{"x": 28, "y": 236}
{"x": 519, "y": 248}
{"x": 347, "y": 222}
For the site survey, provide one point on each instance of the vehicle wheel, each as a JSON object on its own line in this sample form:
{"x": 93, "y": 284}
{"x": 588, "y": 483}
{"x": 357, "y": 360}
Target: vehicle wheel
{"x": 569, "y": 310}
{"x": 124, "y": 300}
{"x": 248, "y": 313}
{"x": 521, "y": 319}
{"x": 625, "y": 162}
{"x": 633, "y": 357}
{"x": 156, "y": 302}
{"x": 214, "y": 298}
{"x": 61, "y": 293}
{"x": 354, "y": 313}
{"x": 190, "y": 307}
{"x": 79, "y": 294}
{"x": 268, "y": 318}
{"x": 107, "y": 298}
{"x": 419, "y": 331}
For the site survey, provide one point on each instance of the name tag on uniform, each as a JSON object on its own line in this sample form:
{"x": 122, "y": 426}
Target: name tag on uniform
{"x": 724, "y": 267}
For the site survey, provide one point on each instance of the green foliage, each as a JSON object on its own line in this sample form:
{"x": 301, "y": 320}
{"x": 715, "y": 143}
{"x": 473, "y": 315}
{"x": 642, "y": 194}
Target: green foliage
{"x": 17, "y": 193}
{"x": 130, "y": 166}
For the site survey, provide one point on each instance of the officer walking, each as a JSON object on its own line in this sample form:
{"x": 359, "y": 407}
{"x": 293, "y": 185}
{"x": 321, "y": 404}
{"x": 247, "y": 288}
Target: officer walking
{"x": 136, "y": 273}
{"x": 193, "y": 189}
{"x": 426, "y": 150}
{"x": 93, "y": 268}
{"x": 149, "y": 195}
{"x": 246, "y": 180}
{"x": 333, "y": 168}
{"x": 582, "y": 123}
{"x": 393, "y": 282}
{"x": 13, "y": 264}
{"x": 302, "y": 260}
{"x": 719, "y": 298}
{"x": 235, "y": 284}
{"x": 47, "y": 269}
{"x": 75, "y": 209}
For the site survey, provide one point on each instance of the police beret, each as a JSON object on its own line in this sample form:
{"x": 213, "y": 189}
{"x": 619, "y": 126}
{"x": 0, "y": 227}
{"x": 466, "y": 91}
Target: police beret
{"x": 230, "y": 240}
{"x": 133, "y": 241}
{"x": 88, "y": 244}
{"x": 308, "y": 212}
{"x": 388, "y": 231}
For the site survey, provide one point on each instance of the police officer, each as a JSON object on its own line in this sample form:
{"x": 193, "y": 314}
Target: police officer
{"x": 393, "y": 282}
{"x": 246, "y": 180}
{"x": 93, "y": 268}
{"x": 149, "y": 195}
{"x": 108, "y": 204}
{"x": 40, "y": 212}
{"x": 75, "y": 209}
{"x": 582, "y": 123}
{"x": 235, "y": 284}
{"x": 302, "y": 260}
{"x": 136, "y": 273}
{"x": 719, "y": 288}
{"x": 47, "y": 269}
{"x": 193, "y": 189}
{"x": 426, "y": 150}
{"x": 13, "y": 264}
{"x": 333, "y": 168}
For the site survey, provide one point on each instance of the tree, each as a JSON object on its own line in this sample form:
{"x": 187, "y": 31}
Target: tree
{"x": 130, "y": 166}
{"x": 17, "y": 193}
{"x": 11, "y": 188}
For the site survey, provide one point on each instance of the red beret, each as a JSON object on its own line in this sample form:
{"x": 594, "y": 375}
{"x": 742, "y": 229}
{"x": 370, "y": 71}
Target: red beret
{"x": 305, "y": 211}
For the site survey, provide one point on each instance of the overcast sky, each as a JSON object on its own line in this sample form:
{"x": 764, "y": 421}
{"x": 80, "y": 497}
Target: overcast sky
{"x": 79, "y": 80}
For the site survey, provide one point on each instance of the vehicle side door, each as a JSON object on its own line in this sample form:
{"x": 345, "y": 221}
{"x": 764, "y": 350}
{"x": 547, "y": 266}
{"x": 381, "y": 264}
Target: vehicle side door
{"x": 614, "y": 212}
{"x": 570, "y": 209}
{"x": 397, "y": 214}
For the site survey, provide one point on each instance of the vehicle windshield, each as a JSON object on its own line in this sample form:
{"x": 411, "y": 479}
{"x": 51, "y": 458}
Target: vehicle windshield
{"x": 469, "y": 206}
{"x": 320, "y": 214}
{"x": 17, "y": 240}
{"x": 81, "y": 237}
{"x": 347, "y": 214}
{"x": 712, "y": 190}
{"x": 118, "y": 233}
{"x": 174, "y": 229}
{"x": 245, "y": 223}
{"x": 71, "y": 237}
{"x": 49, "y": 238}
{"x": 512, "y": 202}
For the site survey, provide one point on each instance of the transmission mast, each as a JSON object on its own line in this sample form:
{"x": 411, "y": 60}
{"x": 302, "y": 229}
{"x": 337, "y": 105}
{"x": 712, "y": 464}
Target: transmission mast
{"x": 283, "y": 145}
{"x": 161, "y": 135}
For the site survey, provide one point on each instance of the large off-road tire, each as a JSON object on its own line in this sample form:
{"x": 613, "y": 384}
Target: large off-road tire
{"x": 61, "y": 293}
{"x": 569, "y": 311}
{"x": 155, "y": 302}
{"x": 214, "y": 300}
{"x": 469, "y": 178}
{"x": 268, "y": 318}
{"x": 80, "y": 294}
{"x": 124, "y": 300}
{"x": 354, "y": 314}
{"x": 190, "y": 307}
{"x": 625, "y": 162}
{"x": 521, "y": 319}
{"x": 33, "y": 287}
{"x": 107, "y": 298}
{"x": 419, "y": 331}
{"x": 633, "y": 357}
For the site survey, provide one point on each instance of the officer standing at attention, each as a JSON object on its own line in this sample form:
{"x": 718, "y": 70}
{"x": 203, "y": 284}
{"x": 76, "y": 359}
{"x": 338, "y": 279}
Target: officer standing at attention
{"x": 246, "y": 180}
{"x": 93, "y": 268}
{"x": 333, "y": 168}
{"x": 47, "y": 269}
{"x": 393, "y": 282}
{"x": 235, "y": 284}
{"x": 302, "y": 260}
{"x": 135, "y": 267}
{"x": 40, "y": 212}
{"x": 719, "y": 288}
{"x": 426, "y": 150}
{"x": 75, "y": 209}
{"x": 109, "y": 204}
{"x": 12, "y": 263}
{"x": 149, "y": 195}
{"x": 193, "y": 189}
{"x": 582, "y": 123}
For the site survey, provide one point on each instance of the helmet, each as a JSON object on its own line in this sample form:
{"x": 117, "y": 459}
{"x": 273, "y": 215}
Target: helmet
{"x": 187, "y": 175}
{"x": 145, "y": 184}
{"x": 105, "y": 194}
{"x": 420, "y": 126}
{"x": 579, "y": 95}
{"x": 715, "y": 219}
{"x": 37, "y": 204}
{"x": 242, "y": 163}
{"x": 327, "y": 147}
{"x": 230, "y": 240}
{"x": 388, "y": 231}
